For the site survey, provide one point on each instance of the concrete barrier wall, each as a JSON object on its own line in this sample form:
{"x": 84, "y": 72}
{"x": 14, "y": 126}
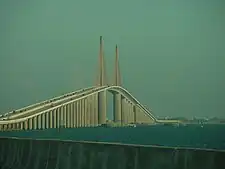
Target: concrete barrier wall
{"x": 53, "y": 154}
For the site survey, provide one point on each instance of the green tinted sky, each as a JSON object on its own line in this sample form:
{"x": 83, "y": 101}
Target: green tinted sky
{"x": 172, "y": 53}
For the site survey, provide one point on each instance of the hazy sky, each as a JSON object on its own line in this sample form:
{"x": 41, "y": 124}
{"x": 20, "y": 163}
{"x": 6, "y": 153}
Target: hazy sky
{"x": 172, "y": 53}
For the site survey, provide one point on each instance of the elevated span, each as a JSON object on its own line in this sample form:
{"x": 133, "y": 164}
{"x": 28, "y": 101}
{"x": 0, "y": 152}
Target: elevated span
{"x": 37, "y": 106}
{"x": 80, "y": 111}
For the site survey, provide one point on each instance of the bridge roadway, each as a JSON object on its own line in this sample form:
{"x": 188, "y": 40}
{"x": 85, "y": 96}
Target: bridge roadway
{"x": 35, "y": 112}
{"x": 53, "y": 102}
{"x": 68, "y": 99}
{"x": 24, "y": 110}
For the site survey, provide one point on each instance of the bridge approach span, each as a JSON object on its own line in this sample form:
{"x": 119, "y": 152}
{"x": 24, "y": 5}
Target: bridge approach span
{"x": 37, "y": 106}
{"x": 123, "y": 92}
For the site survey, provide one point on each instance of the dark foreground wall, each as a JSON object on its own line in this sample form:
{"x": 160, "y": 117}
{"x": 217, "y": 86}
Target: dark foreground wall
{"x": 49, "y": 154}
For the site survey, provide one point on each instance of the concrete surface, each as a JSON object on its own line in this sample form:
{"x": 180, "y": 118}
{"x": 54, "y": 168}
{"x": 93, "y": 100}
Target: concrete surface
{"x": 55, "y": 154}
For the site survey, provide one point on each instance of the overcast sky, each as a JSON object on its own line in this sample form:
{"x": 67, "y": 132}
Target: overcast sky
{"x": 172, "y": 53}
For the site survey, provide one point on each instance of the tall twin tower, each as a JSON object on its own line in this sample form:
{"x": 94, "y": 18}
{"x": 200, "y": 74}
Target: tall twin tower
{"x": 102, "y": 81}
{"x": 102, "y": 78}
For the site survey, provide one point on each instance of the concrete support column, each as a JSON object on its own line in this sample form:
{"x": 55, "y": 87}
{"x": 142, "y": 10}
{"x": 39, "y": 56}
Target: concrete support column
{"x": 6, "y": 127}
{"x": 87, "y": 111}
{"x": 61, "y": 122}
{"x": 51, "y": 117}
{"x": 64, "y": 116}
{"x": 68, "y": 117}
{"x": 91, "y": 110}
{"x": 34, "y": 122}
{"x": 130, "y": 117}
{"x": 58, "y": 117}
{"x": 134, "y": 114}
{"x": 9, "y": 127}
{"x": 43, "y": 121}
{"x": 139, "y": 116}
{"x": 13, "y": 126}
{"x": 102, "y": 107}
{"x": 17, "y": 126}
{"x": 96, "y": 109}
{"x": 128, "y": 112}
{"x": 21, "y": 126}
{"x": 54, "y": 116}
{"x": 131, "y": 113}
{"x": 25, "y": 124}
{"x": 124, "y": 114}
{"x": 74, "y": 115}
{"x": 77, "y": 113}
{"x": 117, "y": 106}
{"x": 47, "y": 119}
{"x": 39, "y": 121}
{"x": 82, "y": 113}
{"x": 30, "y": 124}
{"x": 71, "y": 111}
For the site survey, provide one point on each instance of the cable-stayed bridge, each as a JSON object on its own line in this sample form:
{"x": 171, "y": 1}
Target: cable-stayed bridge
{"x": 83, "y": 108}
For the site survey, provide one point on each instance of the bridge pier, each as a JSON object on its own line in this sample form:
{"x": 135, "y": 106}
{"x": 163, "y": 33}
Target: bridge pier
{"x": 82, "y": 112}
{"x": 42, "y": 121}
{"x": 39, "y": 122}
{"x": 117, "y": 106}
{"x": 87, "y": 112}
{"x": 64, "y": 119}
{"x": 134, "y": 113}
{"x": 54, "y": 118}
{"x": 47, "y": 120}
{"x": 30, "y": 124}
{"x": 71, "y": 111}
{"x": 34, "y": 122}
{"x": 102, "y": 107}
{"x": 77, "y": 114}
{"x": 73, "y": 114}
{"x": 124, "y": 110}
{"x": 95, "y": 109}
{"x": 58, "y": 118}
{"x": 26, "y": 124}
{"x": 51, "y": 117}
{"x": 68, "y": 115}
{"x": 129, "y": 111}
{"x": 91, "y": 109}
